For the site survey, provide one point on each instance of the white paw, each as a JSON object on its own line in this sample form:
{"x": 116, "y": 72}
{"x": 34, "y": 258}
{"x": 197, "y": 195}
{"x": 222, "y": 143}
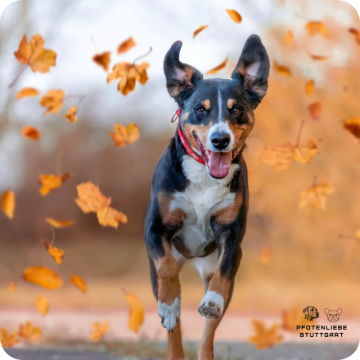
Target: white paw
{"x": 169, "y": 314}
{"x": 212, "y": 305}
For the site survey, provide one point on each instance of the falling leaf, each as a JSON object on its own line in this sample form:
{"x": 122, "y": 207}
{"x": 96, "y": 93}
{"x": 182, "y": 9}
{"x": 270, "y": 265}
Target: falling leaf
{"x": 27, "y": 92}
{"x": 265, "y": 338}
{"x": 71, "y": 115}
{"x": 280, "y": 157}
{"x": 356, "y": 33}
{"x": 43, "y": 276}
{"x": 103, "y": 60}
{"x": 92, "y": 200}
{"x": 8, "y": 204}
{"x": 128, "y": 74}
{"x": 314, "y": 111}
{"x": 136, "y": 314}
{"x": 56, "y": 253}
{"x": 292, "y": 318}
{"x": 42, "y": 305}
{"x": 309, "y": 87}
{"x": 11, "y": 287}
{"x": 8, "y": 340}
{"x": 265, "y": 255}
{"x": 29, "y": 332}
{"x": 51, "y": 182}
{"x": 199, "y": 30}
{"x": 53, "y": 101}
{"x": 289, "y": 37}
{"x": 352, "y": 125}
{"x": 78, "y": 282}
{"x": 318, "y": 57}
{"x": 126, "y": 45}
{"x": 30, "y": 132}
{"x": 34, "y": 54}
{"x": 282, "y": 70}
{"x": 316, "y": 195}
{"x": 125, "y": 134}
{"x": 99, "y": 330}
{"x": 314, "y": 27}
{"x": 59, "y": 223}
{"x": 235, "y": 16}
{"x": 216, "y": 69}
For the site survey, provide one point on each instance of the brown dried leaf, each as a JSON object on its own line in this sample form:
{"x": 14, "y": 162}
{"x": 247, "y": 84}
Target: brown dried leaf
{"x": 59, "y": 223}
{"x": 51, "y": 182}
{"x": 316, "y": 195}
{"x": 282, "y": 70}
{"x": 8, "y": 204}
{"x": 216, "y": 69}
{"x": 315, "y": 110}
{"x": 199, "y": 30}
{"x": 56, "y": 253}
{"x": 352, "y": 125}
{"x": 126, "y": 45}
{"x": 43, "y": 276}
{"x": 125, "y": 134}
{"x": 42, "y": 305}
{"x": 265, "y": 338}
{"x": 27, "y": 92}
{"x": 103, "y": 60}
{"x": 71, "y": 115}
{"x": 78, "y": 282}
{"x": 53, "y": 101}
{"x": 29, "y": 332}
{"x": 30, "y": 132}
{"x": 99, "y": 330}
{"x": 7, "y": 339}
{"x": 235, "y": 16}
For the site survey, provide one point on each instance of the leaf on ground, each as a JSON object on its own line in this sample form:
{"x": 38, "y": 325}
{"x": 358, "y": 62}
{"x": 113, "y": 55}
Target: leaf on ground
{"x": 34, "y": 54}
{"x": 79, "y": 282}
{"x": 291, "y": 318}
{"x": 103, "y": 60}
{"x": 316, "y": 195}
{"x": 126, "y": 45}
{"x": 31, "y": 133}
{"x": 99, "y": 330}
{"x": 265, "y": 338}
{"x": 11, "y": 287}
{"x": 136, "y": 314}
{"x": 43, "y": 276}
{"x": 125, "y": 134}
{"x": 50, "y": 182}
{"x": 356, "y": 33}
{"x": 59, "y": 223}
{"x": 216, "y": 69}
{"x": 42, "y": 305}
{"x": 29, "y": 332}
{"x": 27, "y": 92}
{"x": 53, "y": 101}
{"x": 265, "y": 255}
{"x": 314, "y": 111}
{"x": 71, "y": 115}
{"x": 282, "y": 70}
{"x": 199, "y": 30}
{"x": 352, "y": 126}
{"x": 316, "y": 27}
{"x": 289, "y": 37}
{"x": 8, "y": 204}
{"x": 56, "y": 253}
{"x": 309, "y": 87}
{"x": 7, "y": 339}
{"x": 234, "y": 15}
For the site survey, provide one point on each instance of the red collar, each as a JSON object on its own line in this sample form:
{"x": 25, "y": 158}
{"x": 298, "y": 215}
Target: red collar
{"x": 184, "y": 141}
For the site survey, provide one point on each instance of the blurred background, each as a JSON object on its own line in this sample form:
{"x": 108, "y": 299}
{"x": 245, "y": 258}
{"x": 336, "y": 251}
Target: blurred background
{"x": 291, "y": 257}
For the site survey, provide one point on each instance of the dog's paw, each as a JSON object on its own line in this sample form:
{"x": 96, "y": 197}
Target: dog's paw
{"x": 169, "y": 314}
{"x": 212, "y": 305}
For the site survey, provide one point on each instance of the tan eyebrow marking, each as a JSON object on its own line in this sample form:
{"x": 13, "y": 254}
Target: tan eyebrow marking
{"x": 206, "y": 104}
{"x": 231, "y": 103}
{"x": 184, "y": 116}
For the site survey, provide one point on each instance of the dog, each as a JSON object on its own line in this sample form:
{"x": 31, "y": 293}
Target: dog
{"x": 333, "y": 315}
{"x": 311, "y": 313}
{"x": 199, "y": 196}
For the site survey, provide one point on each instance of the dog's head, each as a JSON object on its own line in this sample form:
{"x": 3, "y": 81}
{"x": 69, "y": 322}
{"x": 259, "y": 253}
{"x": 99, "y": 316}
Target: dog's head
{"x": 333, "y": 315}
{"x": 217, "y": 114}
{"x": 311, "y": 313}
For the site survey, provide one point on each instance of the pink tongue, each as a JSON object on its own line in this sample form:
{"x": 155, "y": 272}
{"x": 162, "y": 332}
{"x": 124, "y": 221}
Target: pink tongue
{"x": 219, "y": 163}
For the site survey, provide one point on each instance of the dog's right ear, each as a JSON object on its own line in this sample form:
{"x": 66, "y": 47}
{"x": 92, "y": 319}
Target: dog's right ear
{"x": 180, "y": 78}
{"x": 327, "y": 311}
{"x": 339, "y": 310}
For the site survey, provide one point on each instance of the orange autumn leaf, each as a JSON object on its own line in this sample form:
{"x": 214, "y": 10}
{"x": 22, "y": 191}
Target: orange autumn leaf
{"x": 8, "y": 203}
{"x": 43, "y": 276}
{"x": 281, "y": 69}
{"x": 352, "y": 125}
{"x": 126, "y": 45}
{"x": 265, "y": 255}
{"x": 235, "y": 16}
{"x": 11, "y": 287}
{"x": 29, "y": 332}
{"x": 125, "y": 134}
{"x": 199, "y": 30}
{"x": 56, "y": 253}
{"x": 265, "y": 338}
{"x": 59, "y": 223}
{"x": 315, "y": 110}
{"x": 356, "y": 33}
{"x": 92, "y": 200}
{"x": 42, "y": 305}
{"x": 27, "y": 92}
{"x": 71, "y": 115}
{"x": 103, "y": 60}
{"x": 99, "y": 330}
{"x": 289, "y": 37}
{"x": 216, "y": 69}
{"x": 309, "y": 87}
{"x": 293, "y": 317}
{"x": 53, "y": 101}
{"x": 136, "y": 314}
{"x": 7, "y": 339}
{"x": 318, "y": 57}
{"x": 34, "y": 54}
{"x": 314, "y": 27}
{"x": 316, "y": 195}
{"x": 51, "y": 182}
{"x": 78, "y": 282}
{"x": 30, "y": 132}
{"x": 128, "y": 74}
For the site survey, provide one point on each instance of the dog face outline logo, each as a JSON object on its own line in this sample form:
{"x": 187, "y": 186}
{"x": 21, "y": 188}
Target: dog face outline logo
{"x": 333, "y": 315}
{"x": 311, "y": 313}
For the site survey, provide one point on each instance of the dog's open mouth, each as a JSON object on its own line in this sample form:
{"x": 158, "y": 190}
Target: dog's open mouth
{"x": 218, "y": 162}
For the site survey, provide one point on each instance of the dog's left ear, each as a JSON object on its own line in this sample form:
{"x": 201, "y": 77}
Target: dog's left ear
{"x": 180, "y": 78}
{"x": 252, "y": 69}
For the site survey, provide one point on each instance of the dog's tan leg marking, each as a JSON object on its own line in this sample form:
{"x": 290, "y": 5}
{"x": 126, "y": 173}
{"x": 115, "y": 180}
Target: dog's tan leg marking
{"x": 228, "y": 214}
{"x": 206, "y": 345}
{"x": 184, "y": 116}
{"x": 170, "y": 217}
{"x": 206, "y": 104}
{"x": 176, "y": 351}
{"x": 231, "y": 103}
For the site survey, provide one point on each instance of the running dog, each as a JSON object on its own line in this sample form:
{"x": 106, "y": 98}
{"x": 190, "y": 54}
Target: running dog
{"x": 199, "y": 196}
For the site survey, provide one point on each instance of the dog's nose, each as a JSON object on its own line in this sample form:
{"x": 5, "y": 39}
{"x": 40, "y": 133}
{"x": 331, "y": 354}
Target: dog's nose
{"x": 220, "y": 140}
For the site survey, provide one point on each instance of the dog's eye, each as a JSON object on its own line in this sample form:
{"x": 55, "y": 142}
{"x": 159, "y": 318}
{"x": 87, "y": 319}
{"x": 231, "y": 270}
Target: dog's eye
{"x": 237, "y": 110}
{"x": 200, "y": 110}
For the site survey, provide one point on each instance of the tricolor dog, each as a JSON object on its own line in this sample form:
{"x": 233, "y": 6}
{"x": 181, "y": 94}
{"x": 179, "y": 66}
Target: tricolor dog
{"x": 199, "y": 196}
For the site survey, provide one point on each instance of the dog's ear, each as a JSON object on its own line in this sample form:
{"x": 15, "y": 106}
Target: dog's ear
{"x": 180, "y": 78}
{"x": 326, "y": 311}
{"x": 306, "y": 310}
{"x": 339, "y": 310}
{"x": 252, "y": 69}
